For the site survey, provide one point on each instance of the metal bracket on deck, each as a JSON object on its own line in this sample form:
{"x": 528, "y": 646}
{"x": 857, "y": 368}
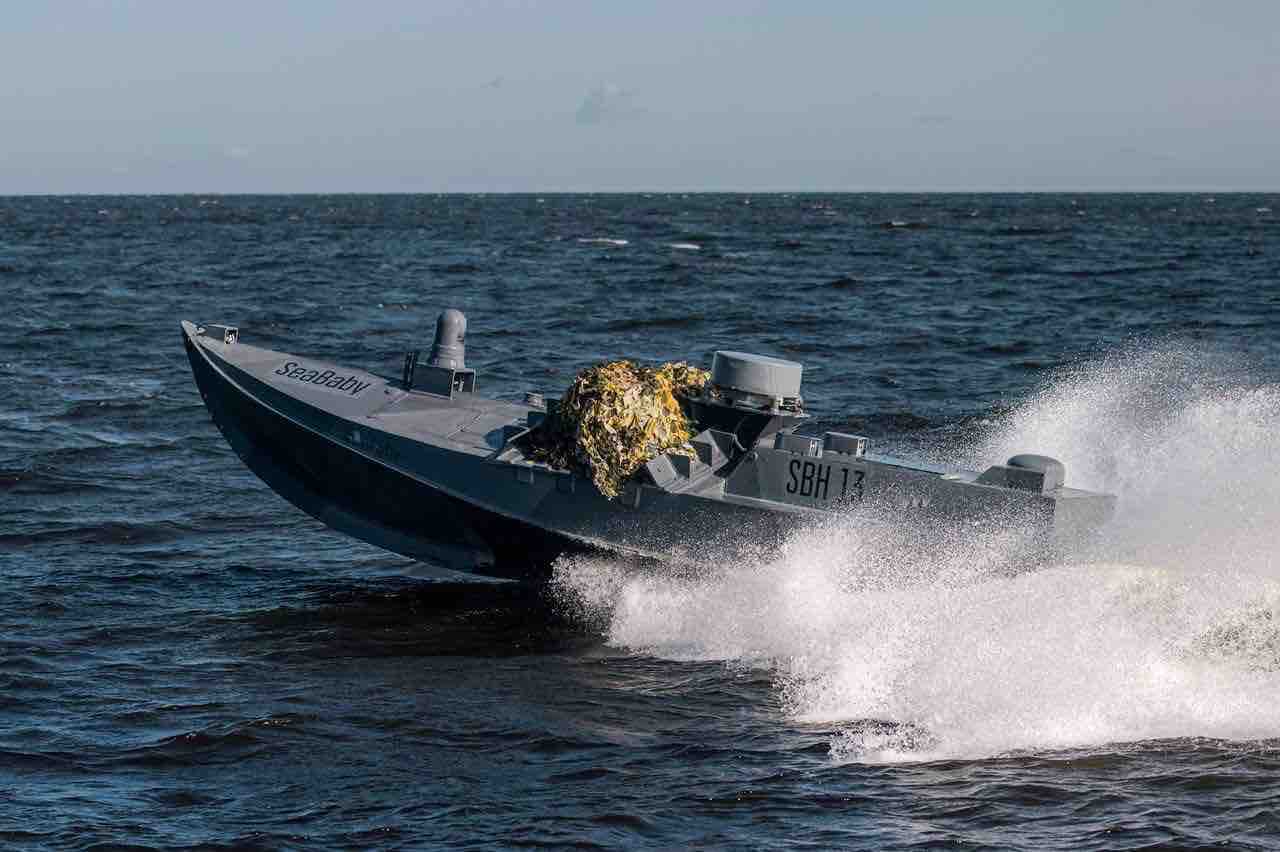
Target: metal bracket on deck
{"x": 440, "y": 381}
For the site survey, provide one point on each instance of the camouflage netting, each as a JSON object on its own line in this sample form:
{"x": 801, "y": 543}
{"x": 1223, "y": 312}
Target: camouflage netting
{"x": 614, "y": 418}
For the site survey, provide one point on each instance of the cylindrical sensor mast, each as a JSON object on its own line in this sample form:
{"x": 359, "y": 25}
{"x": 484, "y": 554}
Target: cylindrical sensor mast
{"x": 449, "y": 349}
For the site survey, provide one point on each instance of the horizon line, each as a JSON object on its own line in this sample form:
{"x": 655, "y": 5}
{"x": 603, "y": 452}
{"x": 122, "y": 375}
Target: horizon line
{"x": 643, "y": 192}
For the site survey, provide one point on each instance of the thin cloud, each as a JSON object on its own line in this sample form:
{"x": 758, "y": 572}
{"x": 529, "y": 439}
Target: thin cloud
{"x": 1162, "y": 156}
{"x": 605, "y": 104}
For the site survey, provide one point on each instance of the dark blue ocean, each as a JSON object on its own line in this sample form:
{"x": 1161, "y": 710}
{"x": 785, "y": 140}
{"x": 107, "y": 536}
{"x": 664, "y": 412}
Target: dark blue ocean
{"x": 188, "y": 662}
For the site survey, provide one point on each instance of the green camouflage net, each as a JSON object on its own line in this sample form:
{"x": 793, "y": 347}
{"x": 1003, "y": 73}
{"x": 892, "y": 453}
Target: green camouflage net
{"x": 614, "y": 418}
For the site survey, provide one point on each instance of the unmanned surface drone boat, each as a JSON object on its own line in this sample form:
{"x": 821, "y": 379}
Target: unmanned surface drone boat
{"x": 426, "y": 467}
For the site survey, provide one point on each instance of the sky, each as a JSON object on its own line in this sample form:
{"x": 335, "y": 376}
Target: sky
{"x": 114, "y": 96}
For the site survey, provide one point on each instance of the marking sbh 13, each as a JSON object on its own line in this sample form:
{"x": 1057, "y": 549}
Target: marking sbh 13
{"x": 813, "y": 479}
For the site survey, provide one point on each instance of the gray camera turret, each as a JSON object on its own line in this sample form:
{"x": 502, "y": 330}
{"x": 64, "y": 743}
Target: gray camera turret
{"x": 445, "y": 372}
{"x": 449, "y": 349}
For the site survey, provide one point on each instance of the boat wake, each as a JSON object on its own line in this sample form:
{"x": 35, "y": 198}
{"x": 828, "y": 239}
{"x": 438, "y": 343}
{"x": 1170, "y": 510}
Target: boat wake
{"x": 1168, "y": 627}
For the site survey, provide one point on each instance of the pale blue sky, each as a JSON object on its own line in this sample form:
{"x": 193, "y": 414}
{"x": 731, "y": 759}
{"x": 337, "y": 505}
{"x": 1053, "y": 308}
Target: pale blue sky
{"x": 392, "y": 95}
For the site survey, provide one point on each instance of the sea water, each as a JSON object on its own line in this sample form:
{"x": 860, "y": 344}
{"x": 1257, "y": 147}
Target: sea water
{"x": 188, "y": 661}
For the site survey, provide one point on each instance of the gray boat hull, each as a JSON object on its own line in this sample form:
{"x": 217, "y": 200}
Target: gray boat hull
{"x": 441, "y": 477}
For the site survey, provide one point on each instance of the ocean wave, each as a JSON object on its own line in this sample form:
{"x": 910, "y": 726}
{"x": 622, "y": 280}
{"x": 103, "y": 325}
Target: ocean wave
{"x": 845, "y": 282}
{"x": 105, "y": 533}
{"x": 458, "y": 268}
{"x": 41, "y": 479}
{"x": 659, "y": 322}
{"x": 1112, "y": 271}
{"x": 1021, "y": 231}
{"x": 226, "y": 742}
{"x": 603, "y": 241}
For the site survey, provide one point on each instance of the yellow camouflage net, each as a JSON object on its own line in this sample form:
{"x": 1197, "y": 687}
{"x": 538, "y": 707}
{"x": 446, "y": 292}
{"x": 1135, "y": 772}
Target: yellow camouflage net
{"x": 615, "y": 417}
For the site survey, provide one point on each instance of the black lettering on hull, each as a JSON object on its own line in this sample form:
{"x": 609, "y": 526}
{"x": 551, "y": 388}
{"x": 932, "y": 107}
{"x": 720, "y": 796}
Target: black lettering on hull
{"x": 348, "y": 385}
{"x": 814, "y": 480}
{"x": 794, "y": 470}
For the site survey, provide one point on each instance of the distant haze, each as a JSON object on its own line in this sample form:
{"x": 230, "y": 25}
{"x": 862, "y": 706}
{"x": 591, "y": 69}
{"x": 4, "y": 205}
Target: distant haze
{"x": 436, "y": 96}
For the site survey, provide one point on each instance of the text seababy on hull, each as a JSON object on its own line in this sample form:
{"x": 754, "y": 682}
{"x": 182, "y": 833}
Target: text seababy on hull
{"x": 323, "y": 378}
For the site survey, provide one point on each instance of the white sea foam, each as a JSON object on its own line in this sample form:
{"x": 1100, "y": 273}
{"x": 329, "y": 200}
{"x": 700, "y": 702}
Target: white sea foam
{"x": 603, "y": 241}
{"x": 1170, "y": 629}
{"x": 685, "y": 246}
